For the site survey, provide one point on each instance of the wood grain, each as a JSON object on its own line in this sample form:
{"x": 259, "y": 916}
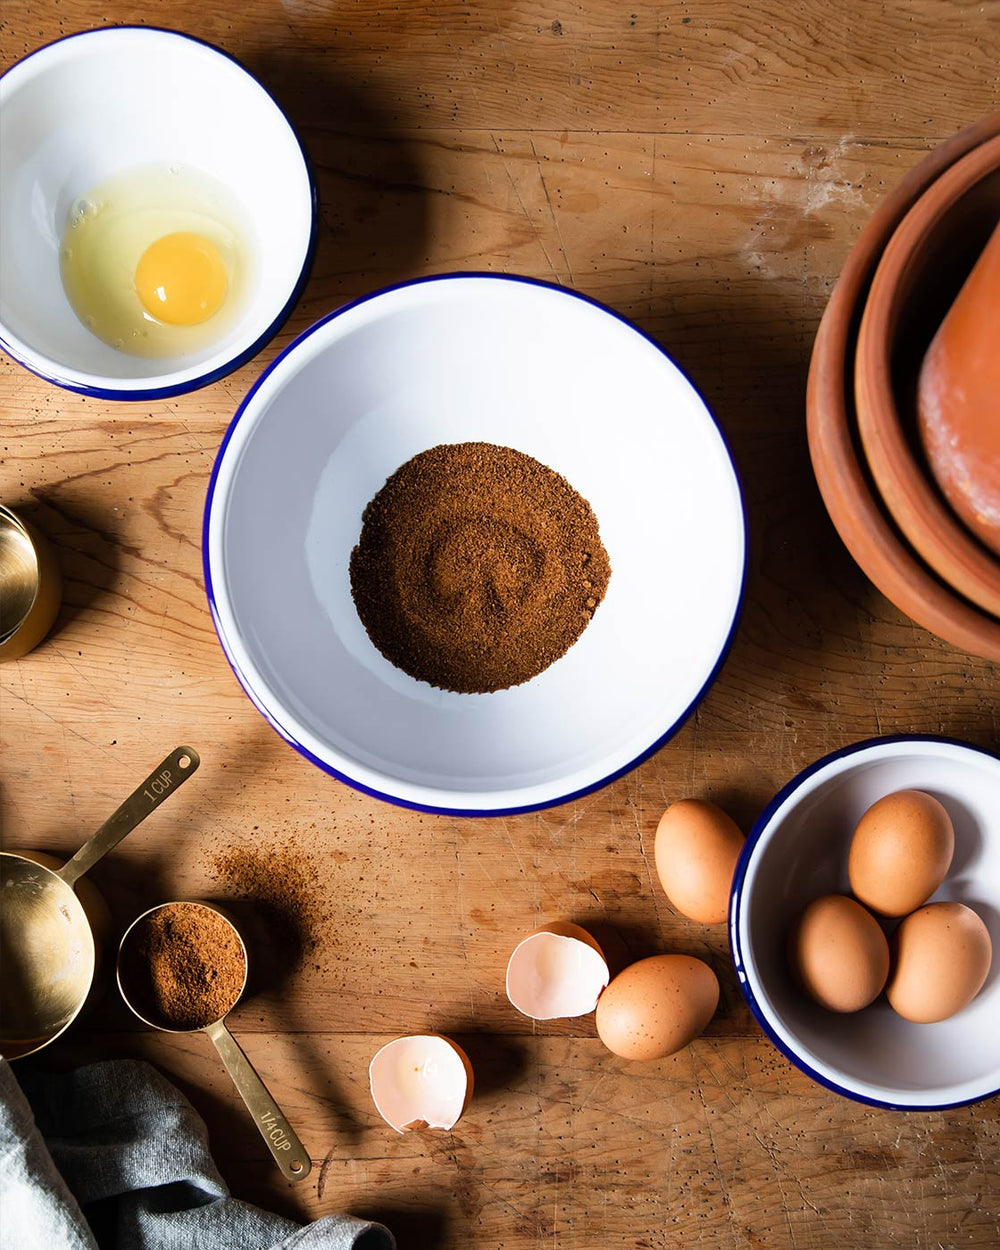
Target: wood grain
{"x": 894, "y": 70}
{"x": 703, "y": 170}
{"x": 723, "y": 1144}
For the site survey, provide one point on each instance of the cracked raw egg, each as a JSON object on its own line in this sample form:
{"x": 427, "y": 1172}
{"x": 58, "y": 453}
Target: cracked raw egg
{"x": 181, "y": 279}
{"x": 156, "y": 261}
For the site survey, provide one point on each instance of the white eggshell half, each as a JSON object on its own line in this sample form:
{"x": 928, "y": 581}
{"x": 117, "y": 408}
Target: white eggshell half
{"x": 551, "y": 976}
{"x": 419, "y": 1082}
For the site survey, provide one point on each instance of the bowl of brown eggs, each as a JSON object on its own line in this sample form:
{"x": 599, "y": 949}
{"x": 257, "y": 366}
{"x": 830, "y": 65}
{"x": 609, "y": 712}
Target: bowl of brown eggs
{"x": 864, "y": 917}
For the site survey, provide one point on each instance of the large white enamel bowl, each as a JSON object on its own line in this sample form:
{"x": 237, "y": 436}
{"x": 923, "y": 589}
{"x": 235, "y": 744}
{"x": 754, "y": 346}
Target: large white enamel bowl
{"x": 92, "y": 105}
{"x": 505, "y": 361}
{"x": 798, "y": 850}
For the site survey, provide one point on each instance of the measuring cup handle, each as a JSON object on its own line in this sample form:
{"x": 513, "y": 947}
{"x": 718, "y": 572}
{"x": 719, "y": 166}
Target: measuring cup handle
{"x": 161, "y": 782}
{"x": 279, "y": 1135}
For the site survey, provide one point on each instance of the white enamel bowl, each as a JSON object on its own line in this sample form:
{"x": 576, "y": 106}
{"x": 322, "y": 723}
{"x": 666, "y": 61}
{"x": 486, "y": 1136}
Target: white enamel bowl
{"x": 95, "y": 104}
{"x": 798, "y": 850}
{"x": 505, "y": 361}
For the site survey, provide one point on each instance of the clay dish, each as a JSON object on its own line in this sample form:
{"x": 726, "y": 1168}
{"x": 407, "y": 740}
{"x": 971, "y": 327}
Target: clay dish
{"x": 865, "y": 528}
{"x": 924, "y": 266}
{"x": 958, "y": 400}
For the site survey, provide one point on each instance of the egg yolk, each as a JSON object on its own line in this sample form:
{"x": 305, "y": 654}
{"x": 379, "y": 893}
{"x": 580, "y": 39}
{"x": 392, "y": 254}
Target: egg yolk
{"x": 181, "y": 279}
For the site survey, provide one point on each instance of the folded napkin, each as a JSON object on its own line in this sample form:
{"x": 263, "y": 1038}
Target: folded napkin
{"x": 114, "y": 1156}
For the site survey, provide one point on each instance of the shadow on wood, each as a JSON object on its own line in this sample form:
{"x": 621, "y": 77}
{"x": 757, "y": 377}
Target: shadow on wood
{"x": 89, "y": 559}
{"x": 373, "y": 206}
{"x": 498, "y": 1061}
{"x": 624, "y": 944}
{"x": 414, "y": 1227}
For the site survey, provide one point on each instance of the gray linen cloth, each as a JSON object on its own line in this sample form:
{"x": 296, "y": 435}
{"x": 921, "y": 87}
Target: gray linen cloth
{"x": 114, "y": 1156}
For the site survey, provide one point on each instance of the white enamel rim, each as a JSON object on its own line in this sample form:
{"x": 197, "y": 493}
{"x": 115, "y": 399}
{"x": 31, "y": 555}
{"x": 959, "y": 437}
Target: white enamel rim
{"x": 380, "y": 784}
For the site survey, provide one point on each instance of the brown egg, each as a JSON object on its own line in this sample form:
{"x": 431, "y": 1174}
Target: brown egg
{"x": 696, "y": 849}
{"x": 656, "y": 1006}
{"x": 900, "y": 852}
{"x": 941, "y": 958}
{"x": 838, "y": 953}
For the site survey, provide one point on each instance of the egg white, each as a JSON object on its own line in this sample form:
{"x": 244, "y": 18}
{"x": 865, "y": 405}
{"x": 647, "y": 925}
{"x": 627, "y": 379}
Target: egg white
{"x": 109, "y": 228}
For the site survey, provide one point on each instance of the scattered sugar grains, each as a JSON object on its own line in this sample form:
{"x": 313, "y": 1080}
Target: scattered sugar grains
{"x": 283, "y": 884}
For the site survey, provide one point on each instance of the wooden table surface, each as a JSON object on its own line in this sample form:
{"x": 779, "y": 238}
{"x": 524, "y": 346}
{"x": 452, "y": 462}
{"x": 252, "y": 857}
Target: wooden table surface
{"x": 704, "y": 169}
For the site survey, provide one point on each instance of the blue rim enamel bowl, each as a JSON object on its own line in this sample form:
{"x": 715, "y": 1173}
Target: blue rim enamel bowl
{"x": 185, "y": 135}
{"x": 516, "y": 363}
{"x": 798, "y": 850}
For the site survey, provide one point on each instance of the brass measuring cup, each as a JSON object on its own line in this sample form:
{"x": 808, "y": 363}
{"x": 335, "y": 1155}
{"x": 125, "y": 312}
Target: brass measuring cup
{"x": 47, "y": 931}
{"x": 280, "y": 1137}
{"x": 30, "y": 586}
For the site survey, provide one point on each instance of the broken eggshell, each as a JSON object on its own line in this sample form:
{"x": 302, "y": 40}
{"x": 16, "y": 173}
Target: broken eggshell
{"x": 418, "y": 1082}
{"x": 556, "y": 973}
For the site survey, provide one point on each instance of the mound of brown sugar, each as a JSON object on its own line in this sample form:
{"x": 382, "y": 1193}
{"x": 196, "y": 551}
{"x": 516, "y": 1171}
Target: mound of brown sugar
{"x": 477, "y": 567}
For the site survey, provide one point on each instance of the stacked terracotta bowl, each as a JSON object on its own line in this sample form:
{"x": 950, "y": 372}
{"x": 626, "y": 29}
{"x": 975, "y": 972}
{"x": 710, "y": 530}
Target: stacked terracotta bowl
{"x": 904, "y": 394}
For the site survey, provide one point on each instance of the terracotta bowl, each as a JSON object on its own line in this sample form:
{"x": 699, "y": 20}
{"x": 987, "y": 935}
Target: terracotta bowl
{"x": 924, "y": 265}
{"x": 958, "y": 400}
{"x": 854, "y": 507}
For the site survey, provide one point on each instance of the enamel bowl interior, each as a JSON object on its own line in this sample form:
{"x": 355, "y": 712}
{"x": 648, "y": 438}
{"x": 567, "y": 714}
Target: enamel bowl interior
{"x": 509, "y": 362}
{"x": 798, "y": 850}
{"x": 92, "y": 105}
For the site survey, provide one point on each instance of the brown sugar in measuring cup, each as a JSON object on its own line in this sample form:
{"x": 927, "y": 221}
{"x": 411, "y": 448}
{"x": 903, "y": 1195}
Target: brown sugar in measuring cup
{"x": 183, "y": 966}
{"x": 53, "y": 923}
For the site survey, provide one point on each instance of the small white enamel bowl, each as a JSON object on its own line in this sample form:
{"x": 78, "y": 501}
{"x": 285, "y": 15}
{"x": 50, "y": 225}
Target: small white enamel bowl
{"x": 499, "y": 360}
{"x": 798, "y": 850}
{"x": 96, "y": 104}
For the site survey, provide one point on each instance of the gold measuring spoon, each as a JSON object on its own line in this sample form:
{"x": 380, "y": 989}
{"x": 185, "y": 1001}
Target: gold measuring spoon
{"x": 47, "y": 930}
{"x": 135, "y": 983}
